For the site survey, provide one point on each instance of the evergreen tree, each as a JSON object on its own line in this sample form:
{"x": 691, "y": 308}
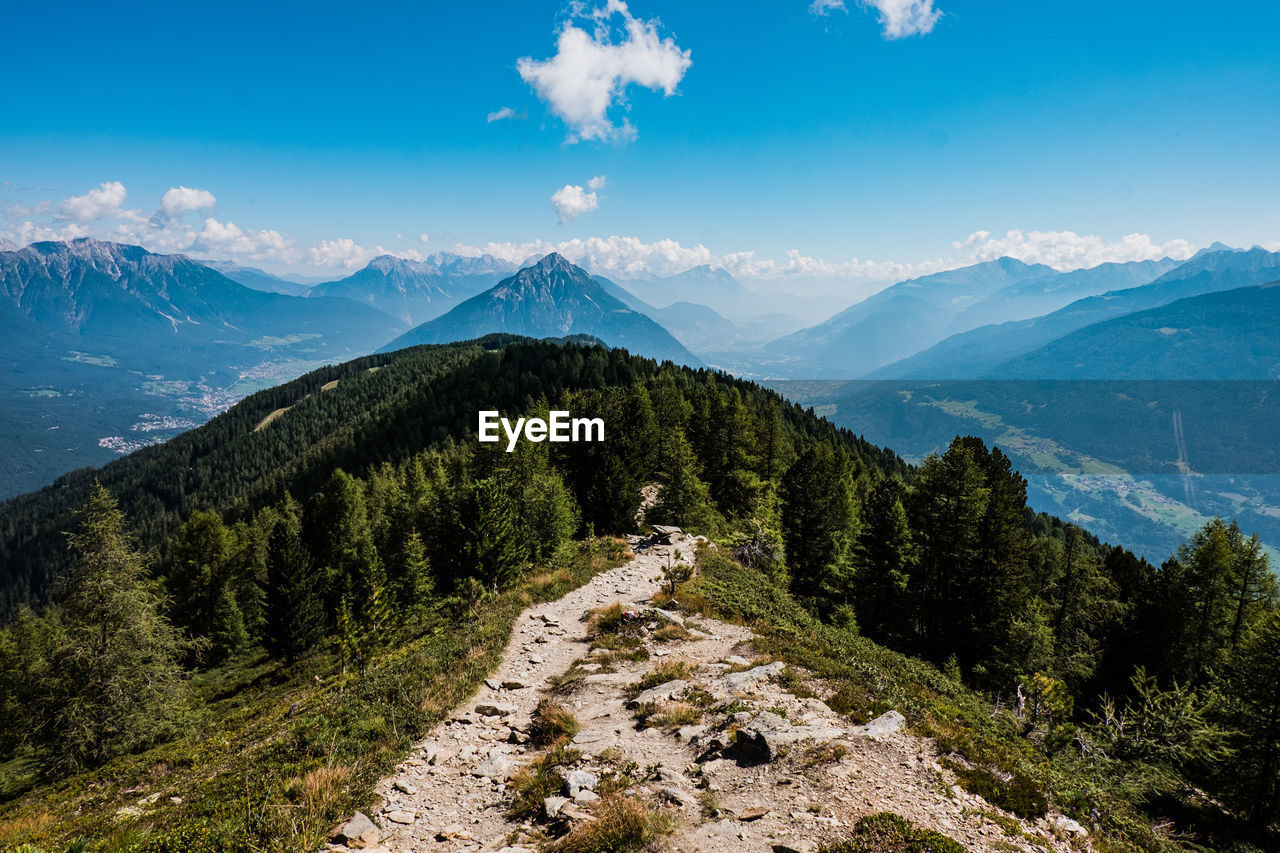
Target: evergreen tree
{"x": 1255, "y": 689}
{"x": 198, "y": 572}
{"x": 494, "y": 548}
{"x": 116, "y": 682}
{"x": 886, "y": 560}
{"x": 294, "y": 610}
{"x": 948, "y": 502}
{"x": 344, "y": 546}
{"x": 819, "y": 525}
{"x": 684, "y": 499}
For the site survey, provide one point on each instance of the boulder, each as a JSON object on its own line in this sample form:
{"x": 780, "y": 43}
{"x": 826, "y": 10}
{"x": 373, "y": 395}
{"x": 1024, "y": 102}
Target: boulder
{"x": 401, "y": 816}
{"x": 882, "y": 726}
{"x": 495, "y": 766}
{"x": 359, "y": 831}
{"x": 406, "y": 787}
{"x": 514, "y": 685}
{"x": 735, "y": 681}
{"x": 495, "y": 709}
{"x": 679, "y": 796}
{"x": 661, "y": 693}
{"x": 752, "y": 813}
{"x": 585, "y": 797}
{"x": 551, "y": 806}
{"x": 580, "y": 780}
{"x": 765, "y": 737}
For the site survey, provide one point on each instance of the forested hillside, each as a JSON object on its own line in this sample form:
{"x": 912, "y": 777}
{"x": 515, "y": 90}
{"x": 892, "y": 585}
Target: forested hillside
{"x": 336, "y": 531}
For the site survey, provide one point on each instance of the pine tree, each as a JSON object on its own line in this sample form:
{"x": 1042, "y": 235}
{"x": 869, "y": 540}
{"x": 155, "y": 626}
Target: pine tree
{"x": 1084, "y": 605}
{"x": 116, "y": 683}
{"x": 684, "y": 499}
{"x": 198, "y": 571}
{"x": 294, "y": 612}
{"x": 886, "y": 559}
{"x": 1254, "y": 686}
{"x": 344, "y": 546}
{"x": 819, "y": 525}
{"x": 494, "y": 546}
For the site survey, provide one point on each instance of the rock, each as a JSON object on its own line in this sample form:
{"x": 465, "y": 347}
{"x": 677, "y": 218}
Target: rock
{"x": 804, "y": 846}
{"x": 1067, "y": 825}
{"x": 661, "y": 693}
{"x": 514, "y": 685}
{"x": 551, "y": 806}
{"x": 359, "y": 830}
{"x": 572, "y": 812}
{"x": 495, "y": 709}
{"x": 580, "y": 780}
{"x": 495, "y": 766}
{"x": 690, "y": 732}
{"x": 549, "y": 620}
{"x": 464, "y": 719}
{"x": 735, "y": 681}
{"x": 752, "y": 813}
{"x": 401, "y": 816}
{"x": 882, "y": 726}
{"x": 405, "y": 787}
{"x": 493, "y": 684}
{"x": 585, "y": 798}
{"x": 536, "y": 659}
{"x": 177, "y": 801}
{"x": 453, "y": 830}
{"x": 766, "y": 735}
{"x": 682, "y": 798}
{"x": 590, "y": 736}
{"x": 737, "y": 660}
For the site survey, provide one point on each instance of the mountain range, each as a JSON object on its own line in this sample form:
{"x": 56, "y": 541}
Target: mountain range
{"x": 552, "y": 298}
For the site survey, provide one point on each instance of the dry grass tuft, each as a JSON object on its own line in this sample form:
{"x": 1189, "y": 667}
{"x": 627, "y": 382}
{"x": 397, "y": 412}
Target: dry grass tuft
{"x": 550, "y": 723}
{"x": 322, "y": 786}
{"x": 621, "y": 825}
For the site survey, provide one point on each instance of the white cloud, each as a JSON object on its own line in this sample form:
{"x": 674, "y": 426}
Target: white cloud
{"x": 179, "y": 200}
{"x": 424, "y": 237}
{"x": 596, "y": 183}
{"x": 1067, "y": 250}
{"x": 590, "y": 72}
{"x": 102, "y": 203}
{"x": 347, "y": 253}
{"x": 900, "y": 18}
{"x": 571, "y": 201}
{"x": 501, "y": 114}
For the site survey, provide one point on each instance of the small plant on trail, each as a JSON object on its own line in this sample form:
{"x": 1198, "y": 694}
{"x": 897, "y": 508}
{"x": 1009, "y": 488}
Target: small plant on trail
{"x": 551, "y": 722}
{"x": 676, "y": 572}
{"x": 621, "y": 825}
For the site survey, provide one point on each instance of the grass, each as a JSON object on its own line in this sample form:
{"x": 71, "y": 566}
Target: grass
{"x": 669, "y": 715}
{"x": 890, "y": 833}
{"x": 823, "y": 754}
{"x": 551, "y": 722}
{"x": 254, "y": 777}
{"x": 538, "y": 780}
{"x": 667, "y": 670}
{"x": 671, "y": 633}
{"x": 621, "y": 825}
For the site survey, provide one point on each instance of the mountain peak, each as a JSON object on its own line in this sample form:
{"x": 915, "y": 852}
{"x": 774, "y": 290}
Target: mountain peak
{"x": 555, "y": 261}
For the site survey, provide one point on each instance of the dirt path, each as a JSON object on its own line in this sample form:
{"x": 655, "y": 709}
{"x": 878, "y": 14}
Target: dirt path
{"x": 797, "y": 774}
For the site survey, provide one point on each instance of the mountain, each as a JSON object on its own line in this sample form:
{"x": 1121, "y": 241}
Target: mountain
{"x": 257, "y": 279}
{"x": 980, "y": 352}
{"x": 108, "y": 347}
{"x": 1042, "y": 295}
{"x": 900, "y": 320}
{"x": 417, "y": 291}
{"x": 1229, "y": 335}
{"x": 703, "y": 284}
{"x": 552, "y": 298}
{"x": 698, "y": 327}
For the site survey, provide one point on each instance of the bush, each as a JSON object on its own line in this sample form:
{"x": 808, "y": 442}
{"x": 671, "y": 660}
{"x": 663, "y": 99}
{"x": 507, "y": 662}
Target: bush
{"x": 890, "y": 833}
{"x": 551, "y": 722}
{"x": 621, "y": 824}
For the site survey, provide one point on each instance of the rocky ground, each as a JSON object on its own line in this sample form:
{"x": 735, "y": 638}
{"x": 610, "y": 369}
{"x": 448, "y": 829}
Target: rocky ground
{"x": 736, "y": 761}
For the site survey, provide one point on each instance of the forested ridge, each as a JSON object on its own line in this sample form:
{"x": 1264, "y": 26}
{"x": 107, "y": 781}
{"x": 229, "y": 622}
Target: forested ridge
{"x": 366, "y": 512}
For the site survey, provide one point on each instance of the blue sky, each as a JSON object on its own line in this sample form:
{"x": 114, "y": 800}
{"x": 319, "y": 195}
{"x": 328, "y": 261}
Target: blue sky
{"x": 324, "y": 130}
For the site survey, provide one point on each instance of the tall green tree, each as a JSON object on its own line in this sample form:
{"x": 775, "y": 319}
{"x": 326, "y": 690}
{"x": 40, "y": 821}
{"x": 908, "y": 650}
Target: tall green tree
{"x": 117, "y": 683}
{"x": 295, "y": 614}
{"x": 495, "y": 548}
{"x": 886, "y": 559}
{"x": 1255, "y": 688}
{"x": 819, "y": 527}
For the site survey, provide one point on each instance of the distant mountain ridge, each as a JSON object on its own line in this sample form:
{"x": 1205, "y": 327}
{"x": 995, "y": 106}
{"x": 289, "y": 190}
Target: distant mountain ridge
{"x": 254, "y": 278}
{"x": 108, "y": 347}
{"x": 981, "y": 351}
{"x": 552, "y": 298}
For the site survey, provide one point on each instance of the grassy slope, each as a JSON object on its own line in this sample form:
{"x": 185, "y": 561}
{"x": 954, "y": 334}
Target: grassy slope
{"x": 867, "y": 679}
{"x": 275, "y": 756}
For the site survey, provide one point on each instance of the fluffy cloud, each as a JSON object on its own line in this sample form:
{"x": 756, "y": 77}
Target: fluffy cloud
{"x": 101, "y": 203}
{"x": 501, "y": 115}
{"x": 900, "y": 18}
{"x": 1067, "y": 250}
{"x": 590, "y": 72}
{"x": 347, "y": 253}
{"x": 571, "y": 200}
{"x": 180, "y": 200}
